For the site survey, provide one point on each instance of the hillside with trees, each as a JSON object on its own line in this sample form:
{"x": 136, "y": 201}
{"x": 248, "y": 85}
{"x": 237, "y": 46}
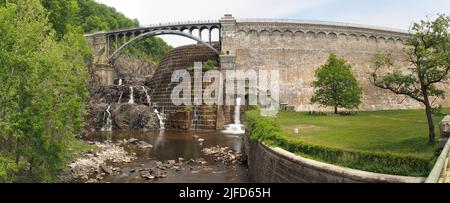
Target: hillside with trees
{"x": 91, "y": 16}
{"x": 43, "y": 69}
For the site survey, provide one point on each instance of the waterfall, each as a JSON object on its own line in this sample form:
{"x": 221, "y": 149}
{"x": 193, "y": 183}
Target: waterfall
{"x": 108, "y": 125}
{"x": 120, "y": 82}
{"x": 148, "y": 97}
{"x": 120, "y": 98}
{"x": 195, "y": 118}
{"x": 131, "y": 101}
{"x": 236, "y": 128}
{"x": 162, "y": 119}
{"x": 237, "y": 111}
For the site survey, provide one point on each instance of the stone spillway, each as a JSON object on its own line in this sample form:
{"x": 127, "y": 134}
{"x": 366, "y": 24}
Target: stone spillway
{"x": 181, "y": 117}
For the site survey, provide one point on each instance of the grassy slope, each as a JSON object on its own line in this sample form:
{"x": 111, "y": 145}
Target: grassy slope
{"x": 399, "y": 131}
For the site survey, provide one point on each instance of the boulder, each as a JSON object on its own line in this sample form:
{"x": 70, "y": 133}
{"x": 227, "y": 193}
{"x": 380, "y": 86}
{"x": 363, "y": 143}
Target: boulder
{"x": 133, "y": 140}
{"x": 109, "y": 94}
{"x": 106, "y": 169}
{"x": 445, "y": 132}
{"x": 133, "y": 70}
{"x": 96, "y": 116}
{"x": 445, "y": 127}
{"x": 135, "y": 117}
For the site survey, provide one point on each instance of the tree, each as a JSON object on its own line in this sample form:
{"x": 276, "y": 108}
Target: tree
{"x": 428, "y": 51}
{"x": 42, "y": 93}
{"x": 336, "y": 86}
{"x": 61, "y": 14}
{"x": 93, "y": 17}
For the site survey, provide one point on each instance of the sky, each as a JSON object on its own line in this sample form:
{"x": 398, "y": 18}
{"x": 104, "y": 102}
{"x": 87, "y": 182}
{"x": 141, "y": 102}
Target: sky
{"x": 397, "y": 14}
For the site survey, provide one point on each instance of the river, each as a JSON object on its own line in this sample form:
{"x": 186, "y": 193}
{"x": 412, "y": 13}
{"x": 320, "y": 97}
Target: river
{"x": 172, "y": 145}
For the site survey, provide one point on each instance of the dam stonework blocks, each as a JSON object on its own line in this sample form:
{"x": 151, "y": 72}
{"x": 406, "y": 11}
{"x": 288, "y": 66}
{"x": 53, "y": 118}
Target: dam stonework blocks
{"x": 161, "y": 86}
{"x": 297, "y": 48}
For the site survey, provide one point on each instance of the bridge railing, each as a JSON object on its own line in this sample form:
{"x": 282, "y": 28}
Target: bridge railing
{"x": 194, "y": 22}
{"x": 170, "y": 24}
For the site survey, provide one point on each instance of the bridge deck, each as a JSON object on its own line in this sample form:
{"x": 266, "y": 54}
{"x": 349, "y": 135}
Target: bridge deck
{"x": 159, "y": 26}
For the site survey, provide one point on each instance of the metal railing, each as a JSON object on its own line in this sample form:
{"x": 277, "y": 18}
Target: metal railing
{"x": 169, "y": 24}
{"x": 194, "y": 22}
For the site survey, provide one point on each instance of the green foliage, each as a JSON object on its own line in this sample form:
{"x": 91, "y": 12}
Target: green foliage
{"x": 210, "y": 65}
{"x": 262, "y": 129}
{"x": 62, "y": 14}
{"x": 206, "y": 66}
{"x": 336, "y": 86}
{"x": 7, "y": 169}
{"x": 438, "y": 111}
{"x": 428, "y": 52}
{"x": 43, "y": 57}
{"x": 43, "y": 89}
{"x": 189, "y": 108}
{"x": 152, "y": 49}
{"x": 94, "y": 17}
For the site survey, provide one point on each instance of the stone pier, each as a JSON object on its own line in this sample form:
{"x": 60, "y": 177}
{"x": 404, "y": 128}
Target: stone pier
{"x": 100, "y": 50}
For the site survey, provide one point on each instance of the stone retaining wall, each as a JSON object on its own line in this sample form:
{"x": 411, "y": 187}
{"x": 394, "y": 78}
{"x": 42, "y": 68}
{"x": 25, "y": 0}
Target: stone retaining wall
{"x": 275, "y": 165}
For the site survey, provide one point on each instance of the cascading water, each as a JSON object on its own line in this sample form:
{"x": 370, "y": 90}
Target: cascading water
{"x": 162, "y": 119}
{"x": 161, "y": 116}
{"x": 195, "y": 118}
{"x": 237, "y": 111}
{"x": 237, "y": 128}
{"x": 108, "y": 125}
{"x": 120, "y": 98}
{"x": 148, "y": 96}
{"x": 120, "y": 82}
{"x": 131, "y": 101}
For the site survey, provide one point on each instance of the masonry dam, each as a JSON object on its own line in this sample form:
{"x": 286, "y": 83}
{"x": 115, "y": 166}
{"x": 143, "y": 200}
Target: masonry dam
{"x": 293, "y": 47}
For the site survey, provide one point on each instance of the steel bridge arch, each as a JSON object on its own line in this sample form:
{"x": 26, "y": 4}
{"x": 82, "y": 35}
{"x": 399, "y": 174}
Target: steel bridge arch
{"x": 117, "y": 53}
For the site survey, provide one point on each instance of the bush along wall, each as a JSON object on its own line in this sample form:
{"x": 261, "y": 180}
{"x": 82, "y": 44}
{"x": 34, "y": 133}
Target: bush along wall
{"x": 267, "y": 131}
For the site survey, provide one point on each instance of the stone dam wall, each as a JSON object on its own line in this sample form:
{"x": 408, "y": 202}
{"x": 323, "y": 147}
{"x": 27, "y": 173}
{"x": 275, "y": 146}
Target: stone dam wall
{"x": 298, "y": 48}
{"x": 275, "y": 165}
{"x": 183, "y": 117}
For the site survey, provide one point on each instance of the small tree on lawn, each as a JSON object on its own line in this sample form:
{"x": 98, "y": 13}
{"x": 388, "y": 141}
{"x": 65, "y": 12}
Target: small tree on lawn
{"x": 336, "y": 86}
{"x": 428, "y": 52}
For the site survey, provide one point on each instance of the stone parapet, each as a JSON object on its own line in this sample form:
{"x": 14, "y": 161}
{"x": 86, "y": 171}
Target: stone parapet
{"x": 276, "y": 165}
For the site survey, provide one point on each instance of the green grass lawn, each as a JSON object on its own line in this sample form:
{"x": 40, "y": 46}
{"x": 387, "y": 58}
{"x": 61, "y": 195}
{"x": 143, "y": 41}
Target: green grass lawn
{"x": 398, "y": 131}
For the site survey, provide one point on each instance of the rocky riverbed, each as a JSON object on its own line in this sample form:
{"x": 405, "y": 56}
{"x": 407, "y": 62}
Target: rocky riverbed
{"x": 224, "y": 155}
{"x": 151, "y": 157}
{"x": 99, "y": 162}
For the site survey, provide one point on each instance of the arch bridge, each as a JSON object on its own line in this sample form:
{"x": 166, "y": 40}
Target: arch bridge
{"x": 108, "y": 46}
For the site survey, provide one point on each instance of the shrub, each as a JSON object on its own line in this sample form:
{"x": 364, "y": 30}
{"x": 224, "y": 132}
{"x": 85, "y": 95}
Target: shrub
{"x": 189, "y": 108}
{"x": 7, "y": 168}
